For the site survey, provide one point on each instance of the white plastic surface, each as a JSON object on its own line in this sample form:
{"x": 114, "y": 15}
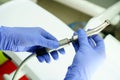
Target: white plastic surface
{"x": 110, "y": 70}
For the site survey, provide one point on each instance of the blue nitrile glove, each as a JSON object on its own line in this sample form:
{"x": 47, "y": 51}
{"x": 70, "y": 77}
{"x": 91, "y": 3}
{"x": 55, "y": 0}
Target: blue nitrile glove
{"x": 31, "y": 39}
{"x": 90, "y": 53}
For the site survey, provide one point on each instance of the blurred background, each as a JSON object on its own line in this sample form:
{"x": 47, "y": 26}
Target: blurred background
{"x": 75, "y": 18}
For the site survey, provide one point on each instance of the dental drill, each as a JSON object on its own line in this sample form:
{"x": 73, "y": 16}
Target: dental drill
{"x": 62, "y": 43}
{"x": 94, "y": 31}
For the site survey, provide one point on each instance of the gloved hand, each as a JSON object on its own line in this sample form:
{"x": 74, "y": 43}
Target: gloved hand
{"x": 90, "y": 53}
{"x": 31, "y": 39}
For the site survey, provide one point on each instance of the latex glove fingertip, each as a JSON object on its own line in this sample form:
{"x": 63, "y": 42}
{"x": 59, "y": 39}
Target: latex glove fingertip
{"x": 41, "y": 59}
{"x": 62, "y": 51}
{"x": 54, "y": 54}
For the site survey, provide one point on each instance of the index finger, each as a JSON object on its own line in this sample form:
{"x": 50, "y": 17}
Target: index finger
{"x": 47, "y": 35}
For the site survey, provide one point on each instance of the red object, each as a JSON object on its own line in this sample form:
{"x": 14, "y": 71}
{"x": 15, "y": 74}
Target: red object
{"x": 24, "y": 78}
{"x": 7, "y": 68}
{"x": 1, "y": 77}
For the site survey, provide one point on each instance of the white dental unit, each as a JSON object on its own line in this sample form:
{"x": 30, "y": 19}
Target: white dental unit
{"x": 28, "y": 14}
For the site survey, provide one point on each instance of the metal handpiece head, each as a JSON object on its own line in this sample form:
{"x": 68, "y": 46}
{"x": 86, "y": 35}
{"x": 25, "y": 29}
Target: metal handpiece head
{"x": 94, "y": 30}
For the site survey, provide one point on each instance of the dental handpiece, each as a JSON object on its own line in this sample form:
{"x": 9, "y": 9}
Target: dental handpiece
{"x": 62, "y": 43}
{"x": 75, "y": 37}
